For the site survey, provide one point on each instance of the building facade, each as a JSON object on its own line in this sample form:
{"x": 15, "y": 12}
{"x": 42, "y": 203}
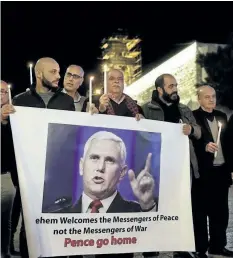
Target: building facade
{"x": 183, "y": 66}
{"x": 122, "y": 52}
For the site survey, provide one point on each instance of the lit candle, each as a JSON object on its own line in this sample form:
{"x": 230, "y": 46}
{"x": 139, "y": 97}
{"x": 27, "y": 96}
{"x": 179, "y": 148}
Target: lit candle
{"x": 105, "y": 79}
{"x": 30, "y": 68}
{"x": 90, "y": 93}
{"x": 218, "y": 139}
{"x": 9, "y": 94}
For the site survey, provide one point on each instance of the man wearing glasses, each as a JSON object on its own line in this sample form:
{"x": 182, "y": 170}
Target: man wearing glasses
{"x": 73, "y": 79}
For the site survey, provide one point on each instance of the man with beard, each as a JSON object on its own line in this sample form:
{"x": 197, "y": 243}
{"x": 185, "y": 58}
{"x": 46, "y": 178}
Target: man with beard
{"x": 45, "y": 94}
{"x": 165, "y": 106}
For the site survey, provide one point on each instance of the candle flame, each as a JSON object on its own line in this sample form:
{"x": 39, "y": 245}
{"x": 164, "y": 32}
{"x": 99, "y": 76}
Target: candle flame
{"x": 92, "y": 78}
{"x": 30, "y": 65}
{"x": 105, "y": 67}
{"x": 219, "y": 124}
{"x": 9, "y": 86}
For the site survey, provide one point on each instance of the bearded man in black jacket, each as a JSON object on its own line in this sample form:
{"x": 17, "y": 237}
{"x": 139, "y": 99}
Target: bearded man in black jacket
{"x": 45, "y": 94}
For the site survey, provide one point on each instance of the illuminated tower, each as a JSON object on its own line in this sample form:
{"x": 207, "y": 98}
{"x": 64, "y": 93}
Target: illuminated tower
{"x": 121, "y": 52}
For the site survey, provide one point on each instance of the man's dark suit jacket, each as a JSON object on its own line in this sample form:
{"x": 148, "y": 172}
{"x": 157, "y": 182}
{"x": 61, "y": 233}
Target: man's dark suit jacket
{"x": 229, "y": 142}
{"x": 119, "y": 205}
{"x": 206, "y": 159}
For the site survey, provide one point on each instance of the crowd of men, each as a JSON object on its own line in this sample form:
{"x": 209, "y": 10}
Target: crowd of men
{"x": 211, "y": 164}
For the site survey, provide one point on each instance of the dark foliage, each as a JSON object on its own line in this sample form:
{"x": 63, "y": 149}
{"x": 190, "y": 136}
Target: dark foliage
{"x": 219, "y": 68}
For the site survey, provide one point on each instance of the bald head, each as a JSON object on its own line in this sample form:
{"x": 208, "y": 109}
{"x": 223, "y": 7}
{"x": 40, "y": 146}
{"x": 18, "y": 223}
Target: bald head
{"x": 43, "y": 62}
{"x": 4, "y": 84}
{"x": 47, "y": 72}
{"x": 115, "y": 81}
{"x": 207, "y": 97}
{"x": 4, "y": 93}
{"x": 73, "y": 79}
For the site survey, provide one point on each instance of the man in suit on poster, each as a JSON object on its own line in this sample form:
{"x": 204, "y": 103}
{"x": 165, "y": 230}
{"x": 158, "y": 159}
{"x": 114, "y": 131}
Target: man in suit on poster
{"x": 102, "y": 168}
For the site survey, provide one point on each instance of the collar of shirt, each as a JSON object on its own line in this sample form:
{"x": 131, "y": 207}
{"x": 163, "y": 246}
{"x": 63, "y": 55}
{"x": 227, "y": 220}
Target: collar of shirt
{"x": 77, "y": 96}
{"x": 86, "y": 201}
{"x": 120, "y": 101}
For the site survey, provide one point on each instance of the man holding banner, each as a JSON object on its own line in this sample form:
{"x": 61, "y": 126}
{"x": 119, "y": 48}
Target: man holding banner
{"x": 45, "y": 94}
{"x": 114, "y": 101}
{"x": 165, "y": 106}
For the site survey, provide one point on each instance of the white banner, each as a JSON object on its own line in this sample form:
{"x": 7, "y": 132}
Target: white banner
{"x": 95, "y": 184}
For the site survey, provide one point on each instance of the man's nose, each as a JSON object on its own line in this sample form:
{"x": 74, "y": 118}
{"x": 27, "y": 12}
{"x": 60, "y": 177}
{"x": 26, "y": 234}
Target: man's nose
{"x": 58, "y": 76}
{"x": 101, "y": 165}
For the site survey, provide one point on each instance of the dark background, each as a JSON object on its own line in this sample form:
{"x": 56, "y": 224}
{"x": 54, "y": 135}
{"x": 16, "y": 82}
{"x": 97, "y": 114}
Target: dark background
{"x": 71, "y": 32}
{"x": 65, "y": 146}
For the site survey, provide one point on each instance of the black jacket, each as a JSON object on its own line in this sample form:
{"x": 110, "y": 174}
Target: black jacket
{"x": 31, "y": 98}
{"x": 153, "y": 111}
{"x": 7, "y": 154}
{"x": 206, "y": 159}
{"x": 228, "y": 143}
{"x": 119, "y": 205}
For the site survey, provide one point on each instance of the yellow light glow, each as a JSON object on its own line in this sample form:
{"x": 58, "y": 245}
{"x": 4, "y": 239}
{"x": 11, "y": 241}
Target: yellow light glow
{"x": 98, "y": 91}
{"x": 92, "y": 78}
{"x": 9, "y": 86}
{"x": 30, "y": 64}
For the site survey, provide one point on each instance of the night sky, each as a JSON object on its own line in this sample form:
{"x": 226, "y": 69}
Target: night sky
{"x": 71, "y": 32}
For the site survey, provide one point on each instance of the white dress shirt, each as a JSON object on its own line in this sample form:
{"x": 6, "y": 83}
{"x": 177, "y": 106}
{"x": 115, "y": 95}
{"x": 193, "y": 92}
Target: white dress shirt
{"x": 86, "y": 201}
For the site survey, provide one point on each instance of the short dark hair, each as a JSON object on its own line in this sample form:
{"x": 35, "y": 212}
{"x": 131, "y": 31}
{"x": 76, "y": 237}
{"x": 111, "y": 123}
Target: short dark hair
{"x": 159, "y": 82}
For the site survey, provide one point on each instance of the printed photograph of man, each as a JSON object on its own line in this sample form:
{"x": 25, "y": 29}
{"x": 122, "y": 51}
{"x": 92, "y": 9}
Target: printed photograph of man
{"x": 102, "y": 168}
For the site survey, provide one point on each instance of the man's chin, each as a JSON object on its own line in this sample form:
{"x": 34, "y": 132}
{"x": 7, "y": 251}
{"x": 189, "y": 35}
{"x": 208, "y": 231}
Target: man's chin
{"x": 175, "y": 100}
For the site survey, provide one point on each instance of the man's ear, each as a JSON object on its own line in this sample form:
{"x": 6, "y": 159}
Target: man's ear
{"x": 81, "y": 82}
{"x": 81, "y": 167}
{"x": 123, "y": 172}
{"x": 38, "y": 74}
{"x": 160, "y": 91}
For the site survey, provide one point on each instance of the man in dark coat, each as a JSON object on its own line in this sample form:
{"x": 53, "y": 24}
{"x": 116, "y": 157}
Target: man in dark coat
{"x": 45, "y": 94}
{"x": 210, "y": 194}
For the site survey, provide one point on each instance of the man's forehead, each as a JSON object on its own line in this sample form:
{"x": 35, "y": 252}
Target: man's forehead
{"x": 52, "y": 65}
{"x": 4, "y": 85}
{"x": 169, "y": 80}
{"x": 103, "y": 145}
{"x": 115, "y": 73}
{"x": 75, "y": 70}
{"x": 206, "y": 90}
